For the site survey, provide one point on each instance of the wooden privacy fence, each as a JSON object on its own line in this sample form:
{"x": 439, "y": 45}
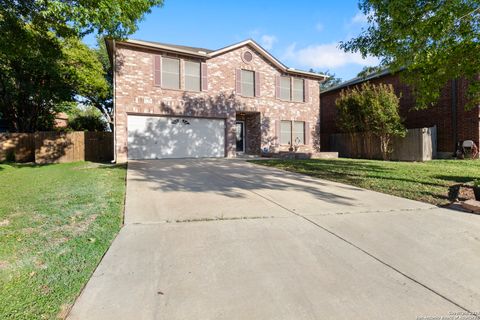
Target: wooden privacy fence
{"x": 56, "y": 147}
{"x": 18, "y": 147}
{"x": 418, "y": 145}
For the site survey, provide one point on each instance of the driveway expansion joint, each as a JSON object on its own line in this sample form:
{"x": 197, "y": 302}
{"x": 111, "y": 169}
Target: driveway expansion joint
{"x": 206, "y": 219}
{"x": 386, "y": 264}
{"x": 420, "y": 210}
{"x": 223, "y": 219}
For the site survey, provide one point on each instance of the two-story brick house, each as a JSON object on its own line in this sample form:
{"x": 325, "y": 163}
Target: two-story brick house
{"x": 180, "y": 102}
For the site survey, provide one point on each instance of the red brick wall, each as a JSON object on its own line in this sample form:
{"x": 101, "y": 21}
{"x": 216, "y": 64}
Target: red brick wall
{"x": 135, "y": 93}
{"x": 439, "y": 115}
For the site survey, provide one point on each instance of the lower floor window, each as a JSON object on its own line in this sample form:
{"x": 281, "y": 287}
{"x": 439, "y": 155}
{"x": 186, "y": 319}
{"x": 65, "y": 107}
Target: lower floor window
{"x": 292, "y": 131}
{"x": 285, "y": 132}
{"x": 298, "y": 132}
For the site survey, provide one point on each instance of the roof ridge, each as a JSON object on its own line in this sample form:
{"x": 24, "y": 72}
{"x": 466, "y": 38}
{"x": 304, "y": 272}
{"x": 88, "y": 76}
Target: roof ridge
{"x": 359, "y": 79}
{"x": 208, "y": 53}
{"x": 180, "y": 46}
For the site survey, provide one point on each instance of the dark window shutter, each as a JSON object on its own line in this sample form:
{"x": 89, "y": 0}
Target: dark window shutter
{"x": 277, "y": 131}
{"x": 204, "y": 73}
{"x": 157, "y": 70}
{"x": 238, "y": 81}
{"x": 306, "y": 90}
{"x": 257, "y": 84}
{"x": 277, "y": 87}
{"x": 307, "y": 133}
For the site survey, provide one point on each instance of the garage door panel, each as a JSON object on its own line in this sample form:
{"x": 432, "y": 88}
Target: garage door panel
{"x": 175, "y": 137}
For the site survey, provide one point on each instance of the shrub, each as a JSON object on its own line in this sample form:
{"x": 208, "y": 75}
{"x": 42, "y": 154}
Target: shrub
{"x": 89, "y": 119}
{"x": 372, "y": 110}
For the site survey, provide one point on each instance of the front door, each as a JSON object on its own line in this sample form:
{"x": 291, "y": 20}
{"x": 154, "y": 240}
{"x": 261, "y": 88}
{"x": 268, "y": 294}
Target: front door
{"x": 240, "y": 136}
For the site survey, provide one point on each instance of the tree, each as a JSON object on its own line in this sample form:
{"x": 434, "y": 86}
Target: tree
{"x": 86, "y": 119}
{"x": 31, "y": 80}
{"x": 331, "y": 81}
{"x": 67, "y": 18}
{"x": 366, "y": 71}
{"x": 42, "y": 76}
{"x": 435, "y": 41}
{"x": 372, "y": 110}
{"x": 43, "y": 63}
{"x": 102, "y": 99}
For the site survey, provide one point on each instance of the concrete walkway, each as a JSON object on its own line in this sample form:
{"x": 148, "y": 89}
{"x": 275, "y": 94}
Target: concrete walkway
{"x": 226, "y": 239}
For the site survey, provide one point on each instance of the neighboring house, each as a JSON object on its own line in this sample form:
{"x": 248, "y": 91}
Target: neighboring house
{"x": 453, "y": 122}
{"x": 179, "y": 102}
{"x": 61, "y": 120}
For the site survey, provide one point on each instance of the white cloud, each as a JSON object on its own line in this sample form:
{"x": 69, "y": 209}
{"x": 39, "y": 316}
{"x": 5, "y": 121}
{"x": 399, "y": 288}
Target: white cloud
{"x": 267, "y": 41}
{"x": 359, "y": 18}
{"x": 325, "y": 56}
{"x": 319, "y": 27}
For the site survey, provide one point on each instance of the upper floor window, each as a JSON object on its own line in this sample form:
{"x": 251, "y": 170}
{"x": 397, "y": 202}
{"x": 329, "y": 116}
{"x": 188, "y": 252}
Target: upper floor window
{"x": 192, "y": 76}
{"x": 285, "y": 88}
{"x": 291, "y": 89}
{"x": 248, "y": 83}
{"x": 297, "y": 90}
{"x": 170, "y": 73}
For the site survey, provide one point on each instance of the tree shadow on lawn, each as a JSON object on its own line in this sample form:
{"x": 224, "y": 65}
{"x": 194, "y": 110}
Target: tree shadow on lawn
{"x": 87, "y": 165}
{"x": 337, "y": 165}
{"x": 368, "y": 176}
{"x": 344, "y": 171}
{"x": 456, "y": 179}
{"x": 17, "y": 165}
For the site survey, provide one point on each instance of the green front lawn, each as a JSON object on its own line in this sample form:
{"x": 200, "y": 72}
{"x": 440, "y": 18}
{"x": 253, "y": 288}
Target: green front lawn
{"x": 424, "y": 181}
{"x": 56, "y": 222}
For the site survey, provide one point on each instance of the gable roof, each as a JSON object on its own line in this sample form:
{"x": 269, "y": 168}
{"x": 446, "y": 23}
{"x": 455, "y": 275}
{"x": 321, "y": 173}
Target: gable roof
{"x": 195, "y": 51}
{"x": 207, "y": 53}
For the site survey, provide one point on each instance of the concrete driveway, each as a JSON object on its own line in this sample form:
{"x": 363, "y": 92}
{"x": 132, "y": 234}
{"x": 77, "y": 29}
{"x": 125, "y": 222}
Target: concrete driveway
{"x": 226, "y": 239}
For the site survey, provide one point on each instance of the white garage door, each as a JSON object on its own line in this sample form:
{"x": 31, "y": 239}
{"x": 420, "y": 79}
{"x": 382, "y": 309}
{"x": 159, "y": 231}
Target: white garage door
{"x": 175, "y": 137}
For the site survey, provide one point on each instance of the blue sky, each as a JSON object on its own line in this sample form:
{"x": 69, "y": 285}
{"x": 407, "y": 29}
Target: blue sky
{"x": 302, "y": 34}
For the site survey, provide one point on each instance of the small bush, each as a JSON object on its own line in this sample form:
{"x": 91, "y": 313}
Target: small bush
{"x": 373, "y": 110}
{"x": 89, "y": 119}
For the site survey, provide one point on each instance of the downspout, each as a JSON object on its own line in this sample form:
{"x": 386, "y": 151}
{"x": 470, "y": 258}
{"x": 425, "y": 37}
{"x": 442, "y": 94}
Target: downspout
{"x": 114, "y": 67}
{"x": 454, "y": 113}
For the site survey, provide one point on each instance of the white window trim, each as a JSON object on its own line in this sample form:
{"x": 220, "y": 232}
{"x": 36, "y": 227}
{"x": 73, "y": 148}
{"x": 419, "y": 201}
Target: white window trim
{"x": 291, "y": 89}
{"x": 179, "y": 73}
{"x": 254, "y": 84}
{"x": 184, "y": 61}
{"x": 280, "y": 84}
{"x": 292, "y": 134}
{"x": 303, "y": 89}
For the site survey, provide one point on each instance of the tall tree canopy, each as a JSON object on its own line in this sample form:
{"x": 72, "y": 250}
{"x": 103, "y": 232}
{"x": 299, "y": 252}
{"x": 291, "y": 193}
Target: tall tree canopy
{"x": 102, "y": 99}
{"x": 331, "y": 81}
{"x": 44, "y": 65}
{"x": 368, "y": 70}
{"x": 435, "y": 41}
{"x": 113, "y": 18}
